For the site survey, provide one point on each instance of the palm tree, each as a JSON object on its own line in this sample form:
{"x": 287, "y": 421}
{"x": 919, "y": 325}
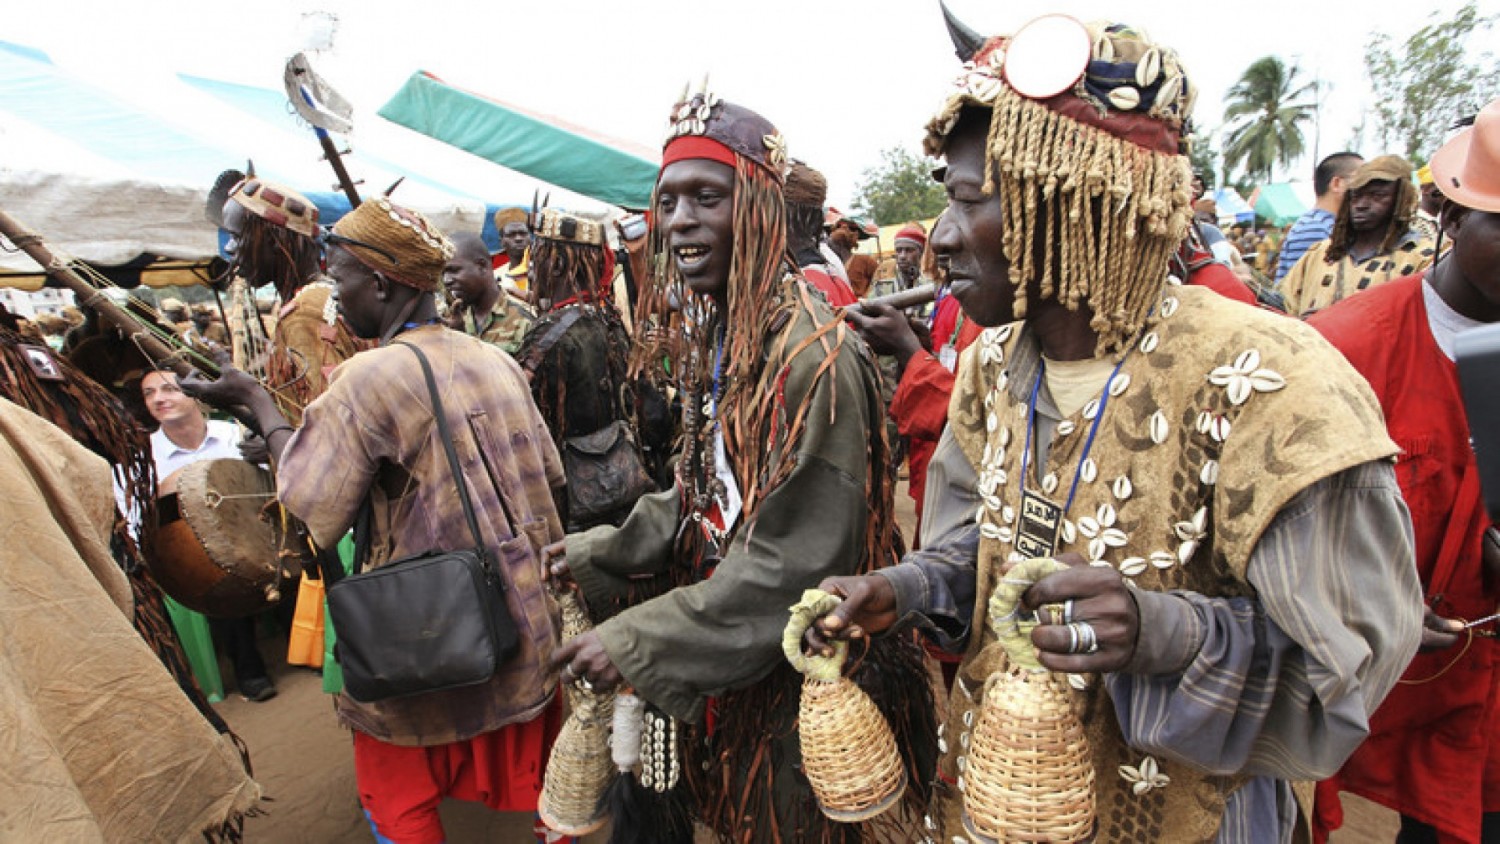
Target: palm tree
{"x": 1266, "y": 110}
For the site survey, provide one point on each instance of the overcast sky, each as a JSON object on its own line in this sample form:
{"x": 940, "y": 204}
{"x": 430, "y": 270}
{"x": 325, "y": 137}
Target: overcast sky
{"x": 841, "y": 80}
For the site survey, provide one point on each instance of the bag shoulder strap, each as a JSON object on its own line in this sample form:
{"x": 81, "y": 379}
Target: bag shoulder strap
{"x": 447, "y": 436}
{"x": 534, "y": 355}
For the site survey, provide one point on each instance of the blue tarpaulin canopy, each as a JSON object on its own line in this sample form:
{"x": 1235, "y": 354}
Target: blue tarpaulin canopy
{"x": 113, "y": 179}
{"x": 1232, "y": 206}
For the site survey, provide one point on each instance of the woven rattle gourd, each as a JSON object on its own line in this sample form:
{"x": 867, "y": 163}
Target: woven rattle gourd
{"x": 1030, "y": 774}
{"x": 848, "y": 751}
{"x": 580, "y": 768}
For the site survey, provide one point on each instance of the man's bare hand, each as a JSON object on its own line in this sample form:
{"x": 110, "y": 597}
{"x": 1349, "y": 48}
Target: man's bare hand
{"x": 254, "y": 449}
{"x": 584, "y": 661}
{"x": 867, "y": 605}
{"x": 886, "y": 330}
{"x": 234, "y": 388}
{"x": 1439, "y": 632}
{"x": 555, "y": 564}
{"x": 1102, "y": 600}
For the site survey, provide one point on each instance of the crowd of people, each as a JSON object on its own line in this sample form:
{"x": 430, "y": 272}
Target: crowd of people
{"x": 1269, "y": 576}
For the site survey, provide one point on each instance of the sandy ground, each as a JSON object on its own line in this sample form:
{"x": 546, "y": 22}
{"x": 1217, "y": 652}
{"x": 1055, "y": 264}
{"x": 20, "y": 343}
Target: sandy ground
{"x": 304, "y": 761}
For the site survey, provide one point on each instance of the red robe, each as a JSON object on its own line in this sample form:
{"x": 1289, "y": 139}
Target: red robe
{"x": 920, "y": 408}
{"x": 835, "y": 289}
{"x": 1222, "y": 280}
{"x": 1434, "y": 747}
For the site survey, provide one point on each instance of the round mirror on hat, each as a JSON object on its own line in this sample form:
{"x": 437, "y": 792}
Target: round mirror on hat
{"x": 1047, "y": 56}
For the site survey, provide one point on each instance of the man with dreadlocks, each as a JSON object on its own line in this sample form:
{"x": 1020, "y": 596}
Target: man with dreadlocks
{"x": 273, "y": 240}
{"x": 783, "y": 479}
{"x": 1372, "y": 242}
{"x": 576, "y": 353}
{"x": 1241, "y": 593}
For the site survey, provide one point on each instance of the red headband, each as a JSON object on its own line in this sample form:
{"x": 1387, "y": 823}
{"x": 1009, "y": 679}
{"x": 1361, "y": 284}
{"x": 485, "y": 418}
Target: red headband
{"x": 684, "y": 147}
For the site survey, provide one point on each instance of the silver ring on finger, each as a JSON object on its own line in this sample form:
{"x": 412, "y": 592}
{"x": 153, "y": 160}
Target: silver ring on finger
{"x": 567, "y": 673}
{"x": 1067, "y": 612}
{"x": 1082, "y": 638}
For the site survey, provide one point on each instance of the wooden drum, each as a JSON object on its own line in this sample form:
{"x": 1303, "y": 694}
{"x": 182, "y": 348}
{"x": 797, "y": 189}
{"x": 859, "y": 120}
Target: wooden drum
{"x": 215, "y": 549}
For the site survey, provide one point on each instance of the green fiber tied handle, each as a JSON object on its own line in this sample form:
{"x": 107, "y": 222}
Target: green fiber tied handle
{"x": 1013, "y": 632}
{"x": 815, "y": 603}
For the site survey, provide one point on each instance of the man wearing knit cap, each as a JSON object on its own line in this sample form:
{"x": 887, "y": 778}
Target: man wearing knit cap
{"x": 805, "y": 191}
{"x": 371, "y": 439}
{"x": 1372, "y": 241}
{"x": 515, "y": 246}
{"x": 782, "y": 480}
{"x": 910, "y": 245}
{"x": 1434, "y": 751}
{"x": 1192, "y": 502}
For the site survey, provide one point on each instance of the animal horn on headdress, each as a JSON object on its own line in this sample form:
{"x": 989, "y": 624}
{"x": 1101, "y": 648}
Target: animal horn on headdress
{"x": 392, "y": 189}
{"x": 249, "y": 169}
{"x": 966, "y": 42}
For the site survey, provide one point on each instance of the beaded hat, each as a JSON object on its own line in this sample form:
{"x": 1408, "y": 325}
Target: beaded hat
{"x": 1084, "y": 147}
{"x": 704, "y": 126}
{"x": 277, "y": 205}
{"x": 396, "y": 242}
{"x": 1107, "y": 75}
{"x": 553, "y": 224}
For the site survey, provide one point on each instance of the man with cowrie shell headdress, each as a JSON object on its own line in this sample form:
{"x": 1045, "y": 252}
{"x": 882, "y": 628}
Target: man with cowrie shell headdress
{"x": 1240, "y": 593}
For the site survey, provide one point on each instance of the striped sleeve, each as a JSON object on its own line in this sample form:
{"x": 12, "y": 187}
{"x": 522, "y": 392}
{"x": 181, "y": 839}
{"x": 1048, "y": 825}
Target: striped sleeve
{"x": 1283, "y": 684}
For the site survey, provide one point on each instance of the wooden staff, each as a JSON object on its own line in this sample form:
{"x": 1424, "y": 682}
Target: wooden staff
{"x": 902, "y": 299}
{"x": 92, "y": 297}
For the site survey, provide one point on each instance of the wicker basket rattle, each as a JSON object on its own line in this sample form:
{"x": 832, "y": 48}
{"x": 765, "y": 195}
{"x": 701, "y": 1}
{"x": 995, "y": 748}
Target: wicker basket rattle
{"x": 1030, "y": 774}
{"x": 848, "y": 751}
{"x": 580, "y": 768}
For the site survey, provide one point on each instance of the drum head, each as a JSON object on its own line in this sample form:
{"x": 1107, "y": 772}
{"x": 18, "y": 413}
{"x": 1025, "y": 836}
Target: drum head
{"x": 221, "y": 557}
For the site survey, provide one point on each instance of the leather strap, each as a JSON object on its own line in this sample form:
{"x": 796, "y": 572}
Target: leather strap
{"x": 534, "y": 355}
{"x": 446, "y": 435}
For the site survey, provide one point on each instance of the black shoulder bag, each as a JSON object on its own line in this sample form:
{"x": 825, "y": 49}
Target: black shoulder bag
{"x": 426, "y": 623}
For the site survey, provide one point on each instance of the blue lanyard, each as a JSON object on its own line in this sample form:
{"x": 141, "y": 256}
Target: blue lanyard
{"x": 718, "y": 362}
{"x": 1093, "y": 429}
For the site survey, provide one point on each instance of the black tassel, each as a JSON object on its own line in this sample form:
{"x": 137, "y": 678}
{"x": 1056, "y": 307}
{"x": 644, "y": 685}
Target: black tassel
{"x": 639, "y": 815}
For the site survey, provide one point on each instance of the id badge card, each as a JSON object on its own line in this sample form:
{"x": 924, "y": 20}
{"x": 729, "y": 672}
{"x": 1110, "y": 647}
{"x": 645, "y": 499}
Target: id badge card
{"x": 1040, "y": 519}
{"x": 948, "y": 357}
{"x": 726, "y": 492}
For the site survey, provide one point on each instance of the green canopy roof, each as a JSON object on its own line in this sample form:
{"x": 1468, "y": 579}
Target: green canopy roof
{"x": 541, "y": 147}
{"x": 1278, "y": 204}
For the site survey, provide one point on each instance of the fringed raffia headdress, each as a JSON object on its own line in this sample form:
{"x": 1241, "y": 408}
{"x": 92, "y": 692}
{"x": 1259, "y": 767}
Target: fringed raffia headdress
{"x": 1085, "y": 141}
